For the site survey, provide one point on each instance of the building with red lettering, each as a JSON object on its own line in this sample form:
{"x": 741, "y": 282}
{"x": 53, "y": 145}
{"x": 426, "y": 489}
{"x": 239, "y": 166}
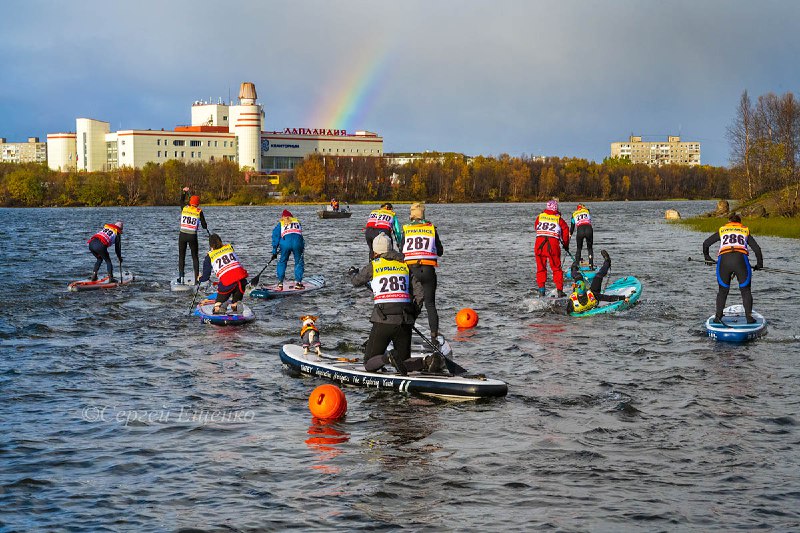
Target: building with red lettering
{"x": 218, "y": 132}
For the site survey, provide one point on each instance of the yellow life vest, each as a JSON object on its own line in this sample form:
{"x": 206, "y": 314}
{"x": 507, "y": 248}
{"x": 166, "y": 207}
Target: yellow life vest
{"x": 190, "y": 219}
{"x": 578, "y": 307}
{"x": 290, "y": 226}
{"x": 548, "y": 226}
{"x": 733, "y": 238}
{"x": 390, "y": 281}
{"x": 419, "y": 243}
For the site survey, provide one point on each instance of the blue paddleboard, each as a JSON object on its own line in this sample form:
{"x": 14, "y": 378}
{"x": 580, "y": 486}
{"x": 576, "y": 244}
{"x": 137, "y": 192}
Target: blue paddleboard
{"x": 205, "y": 310}
{"x": 628, "y": 286}
{"x": 734, "y": 327}
{"x": 586, "y": 271}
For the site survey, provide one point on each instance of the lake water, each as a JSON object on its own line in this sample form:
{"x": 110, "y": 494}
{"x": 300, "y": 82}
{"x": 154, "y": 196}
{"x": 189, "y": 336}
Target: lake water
{"x": 119, "y": 411}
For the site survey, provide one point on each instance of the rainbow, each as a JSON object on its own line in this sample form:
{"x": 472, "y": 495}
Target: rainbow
{"x": 355, "y": 93}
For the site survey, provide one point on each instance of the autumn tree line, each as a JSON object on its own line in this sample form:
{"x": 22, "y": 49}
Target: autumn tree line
{"x": 765, "y": 149}
{"x": 764, "y": 139}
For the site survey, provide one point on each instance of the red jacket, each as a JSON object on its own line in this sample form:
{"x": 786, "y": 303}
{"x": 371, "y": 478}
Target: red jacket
{"x": 561, "y": 223}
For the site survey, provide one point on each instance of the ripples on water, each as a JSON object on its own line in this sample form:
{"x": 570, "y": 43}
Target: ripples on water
{"x": 121, "y": 412}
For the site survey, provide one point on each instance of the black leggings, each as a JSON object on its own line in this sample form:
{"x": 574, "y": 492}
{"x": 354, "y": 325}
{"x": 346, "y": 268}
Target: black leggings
{"x": 423, "y": 279}
{"x": 100, "y": 252}
{"x": 729, "y": 265}
{"x": 379, "y": 338}
{"x": 584, "y": 232}
{"x": 191, "y": 240}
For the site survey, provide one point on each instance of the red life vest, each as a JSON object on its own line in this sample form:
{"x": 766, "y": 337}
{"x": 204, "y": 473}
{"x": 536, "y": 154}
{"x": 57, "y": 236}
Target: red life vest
{"x": 107, "y": 235}
{"x": 226, "y": 265}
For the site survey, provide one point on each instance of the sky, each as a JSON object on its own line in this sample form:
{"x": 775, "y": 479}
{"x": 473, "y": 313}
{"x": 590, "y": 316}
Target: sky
{"x": 554, "y": 78}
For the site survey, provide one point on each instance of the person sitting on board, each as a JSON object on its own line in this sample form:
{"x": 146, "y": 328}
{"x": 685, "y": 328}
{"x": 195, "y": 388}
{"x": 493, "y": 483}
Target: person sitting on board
{"x": 110, "y": 234}
{"x": 288, "y": 237}
{"x": 191, "y": 218}
{"x": 582, "y": 219}
{"x": 395, "y": 309}
{"x": 334, "y": 204}
{"x": 582, "y": 299}
{"x": 382, "y": 220}
{"x": 421, "y": 247}
{"x": 552, "y": 232}
{"x": 732, "y": 260}
{"x": 224, "y": 263}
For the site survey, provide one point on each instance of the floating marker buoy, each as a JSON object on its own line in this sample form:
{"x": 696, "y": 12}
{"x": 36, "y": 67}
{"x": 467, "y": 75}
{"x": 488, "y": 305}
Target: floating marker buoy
{"x": 327, "y": 402}
{"x": 467, "y": 318}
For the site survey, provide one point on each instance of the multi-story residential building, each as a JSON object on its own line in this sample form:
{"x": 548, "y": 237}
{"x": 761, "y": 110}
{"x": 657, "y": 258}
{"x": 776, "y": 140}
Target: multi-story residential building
{"x": 672, "y": 152}
{"x": 32, "y": 151}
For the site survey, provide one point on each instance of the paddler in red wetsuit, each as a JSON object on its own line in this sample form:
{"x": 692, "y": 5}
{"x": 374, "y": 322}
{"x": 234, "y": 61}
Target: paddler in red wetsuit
{"x": 552, "y": 233}
{"x": 224, "y": 262}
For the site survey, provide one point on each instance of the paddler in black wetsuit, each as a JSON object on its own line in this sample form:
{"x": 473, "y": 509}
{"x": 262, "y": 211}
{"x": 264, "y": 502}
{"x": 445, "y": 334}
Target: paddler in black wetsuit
{"x": 581, "y": 299}
{"x": 394, "y": 312}
{"x": 191, "y": 217}
{"x": 732, "y": 260}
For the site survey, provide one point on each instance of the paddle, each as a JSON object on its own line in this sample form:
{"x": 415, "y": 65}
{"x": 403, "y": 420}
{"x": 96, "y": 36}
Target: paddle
{"x": 765, "y": 269}
{"x": 196, "y": 291}
{"x": 254, "y": 281}
{"x": 452, "y": 367}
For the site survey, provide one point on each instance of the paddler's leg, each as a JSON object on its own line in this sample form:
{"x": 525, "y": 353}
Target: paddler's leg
{"x": 299, "y": 262}
{"x": 223, "y": 293}
{"x": 541, "y": 267}
{"x": 195, "y": 257}
{"x": 579, "y": 235}
{"x": 182, "y": 241}
{"x": 282, "y": 262}
{"x": 402, "y": 348}
{"x": 589, "y": 235}
{"x": 744, "y": 272}
{"x": 374, "y": 354}
{"x": 555, "y": 264}
{"x": 597, "y": 281}
{"x": 95, "y": 246}
{"x": 724, "y": 276}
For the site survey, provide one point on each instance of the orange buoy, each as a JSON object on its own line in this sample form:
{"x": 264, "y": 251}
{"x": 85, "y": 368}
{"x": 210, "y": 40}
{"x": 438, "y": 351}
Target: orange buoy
{"x": 467, "y": 318}
{"x": 327, "y": 402}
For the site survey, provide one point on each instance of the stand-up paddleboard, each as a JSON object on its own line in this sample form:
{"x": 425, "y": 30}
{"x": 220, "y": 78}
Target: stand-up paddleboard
{"x": 124, "y": 278}
{"x": 311, "y": 283}
{"x": 186, "y": 286}
{"x": 734, "y": 326}
{"x": 205, "y": 310}
{"x": 628, "y": 286}
{"x": 350, "y": 372}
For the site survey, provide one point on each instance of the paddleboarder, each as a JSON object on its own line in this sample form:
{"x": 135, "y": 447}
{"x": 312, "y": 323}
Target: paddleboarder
{"x": 552, "y": 232}
{"x": 582, "y": 298}
{"x": 382, "y": 220}
{"x": 421, "y": 247}
{"x": 224, "y": 263}
{"x": 733, "y": 260}
{"x": 582, "y": 220}
{"x": 395, "y": 309}
{"x": 191, "y": 219}
{"x": 287, "y": 235}
{"x": 109, "y": 235}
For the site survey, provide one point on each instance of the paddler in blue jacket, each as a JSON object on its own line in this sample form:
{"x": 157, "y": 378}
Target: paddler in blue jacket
{"x": 581, "y": 299}
{"x": 732, "y": 260}
{"x": 109, "y": 235}
{"x": 288, "y": 237}
{"x": 395, "y": 309}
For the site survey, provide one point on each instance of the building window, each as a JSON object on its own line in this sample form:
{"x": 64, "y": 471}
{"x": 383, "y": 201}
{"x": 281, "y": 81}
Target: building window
{"x": 183, "y": 154}
{"x": 209, "y": 143}
{"x": 192, "y": 155}
{"x": 123, "y": 142}
{"x": 123, "y": 154}
{"x": 224, "y": 118}
{"x": 158, "y": 142}
{"x": 215, "y": 144}
{"x": 176, "y": 153}
{"x": 195, "y": 143}
{"x": 178, "y": 143}
{"x": 199, "y": 154}
{"x": 159, "y": 153}
{"x": 225, "y": 144}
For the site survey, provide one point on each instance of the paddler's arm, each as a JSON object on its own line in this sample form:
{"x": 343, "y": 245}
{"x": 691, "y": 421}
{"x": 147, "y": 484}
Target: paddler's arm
{"x": 206, "y": 270}
{"x": 362, "y": 277}
{"x": 707, "y": 245}
{"x": 439, "y": 247}
{"x": 118, "y": 247}
{"x": 184, "y": 192}
{"x": 564, "y": 233}
{"x": 203, "y": 221}
{"x": 751, "y": 241}
{"x": 276, "y": 238}
{"x": 398, "y": 232}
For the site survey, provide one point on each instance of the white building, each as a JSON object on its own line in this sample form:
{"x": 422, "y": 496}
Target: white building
{"x": 32, "y": 151}
{"x": 672, "y": 152}
{"x": 218, "y": 132}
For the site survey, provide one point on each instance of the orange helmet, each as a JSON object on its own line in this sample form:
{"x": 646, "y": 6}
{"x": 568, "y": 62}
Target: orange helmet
{"x": 194, "y": 201}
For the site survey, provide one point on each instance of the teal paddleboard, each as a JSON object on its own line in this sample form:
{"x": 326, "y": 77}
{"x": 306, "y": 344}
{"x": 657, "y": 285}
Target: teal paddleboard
{"x": 628, "y": 286}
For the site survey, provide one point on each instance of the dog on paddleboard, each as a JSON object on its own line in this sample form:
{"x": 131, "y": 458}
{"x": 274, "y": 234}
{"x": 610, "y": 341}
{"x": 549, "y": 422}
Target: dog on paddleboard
{"x": 309, "y": 333}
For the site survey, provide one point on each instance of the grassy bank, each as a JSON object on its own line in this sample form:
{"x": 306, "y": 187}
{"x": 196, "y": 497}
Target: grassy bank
{"x": 774, "y": 227}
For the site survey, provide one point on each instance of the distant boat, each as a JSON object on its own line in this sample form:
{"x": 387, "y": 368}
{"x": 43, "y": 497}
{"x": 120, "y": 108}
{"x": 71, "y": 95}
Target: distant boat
{"x": 328, "y": 212}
